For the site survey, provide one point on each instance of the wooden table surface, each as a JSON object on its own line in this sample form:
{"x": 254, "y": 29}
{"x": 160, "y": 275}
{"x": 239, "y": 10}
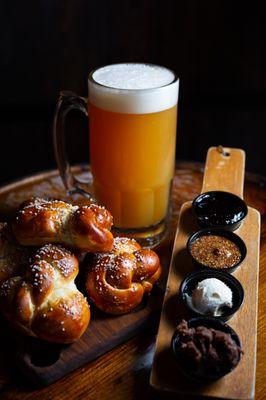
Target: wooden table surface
{"x": 124, "y": 372}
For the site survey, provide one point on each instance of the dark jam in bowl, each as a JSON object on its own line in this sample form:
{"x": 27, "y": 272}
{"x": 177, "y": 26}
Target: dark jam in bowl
{"x": 191, "y": 342}
{"x": 220, "y": 209}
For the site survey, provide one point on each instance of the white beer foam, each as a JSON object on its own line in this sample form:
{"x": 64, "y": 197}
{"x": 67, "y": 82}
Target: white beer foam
{"x": 133, "y": 76}
{"x": 133, "y": 88}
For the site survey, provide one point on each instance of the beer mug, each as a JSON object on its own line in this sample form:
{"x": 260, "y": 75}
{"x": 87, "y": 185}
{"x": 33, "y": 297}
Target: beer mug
{"x": 132, "y": 112}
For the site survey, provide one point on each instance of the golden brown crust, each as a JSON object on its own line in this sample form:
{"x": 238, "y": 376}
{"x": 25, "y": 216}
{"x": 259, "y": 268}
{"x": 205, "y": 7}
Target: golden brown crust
{"x": 44, "y": 301}
{"x": 117, "y": 281}
{"x": 40, "y": 221}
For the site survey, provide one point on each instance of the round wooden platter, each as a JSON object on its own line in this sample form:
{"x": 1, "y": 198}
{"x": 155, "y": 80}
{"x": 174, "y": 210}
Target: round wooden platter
{"x": 124, "y": 371}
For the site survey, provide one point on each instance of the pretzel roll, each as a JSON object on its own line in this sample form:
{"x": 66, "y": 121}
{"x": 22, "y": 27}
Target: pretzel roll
{"x": 44, "y": 301}
{"x": 13, "y": 257}
{"x": 40, "y": 221}
{"x": 117, "y": 281}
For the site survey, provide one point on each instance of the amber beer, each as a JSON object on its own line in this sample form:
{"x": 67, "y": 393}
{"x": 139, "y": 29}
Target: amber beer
{"x": 132, "y": 121}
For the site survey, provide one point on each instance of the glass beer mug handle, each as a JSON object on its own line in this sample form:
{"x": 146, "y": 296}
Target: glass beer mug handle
{"x": 67, "y": 101}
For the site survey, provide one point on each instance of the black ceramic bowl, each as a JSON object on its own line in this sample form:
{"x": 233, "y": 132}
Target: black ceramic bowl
{"x": 187, "y": 368}
{"x": 219, "y": 232}
{"x": 191, "y": 281}
{"x": 219, "y": 209}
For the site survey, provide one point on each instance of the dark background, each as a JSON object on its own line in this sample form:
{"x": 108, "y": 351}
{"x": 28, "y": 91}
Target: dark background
{"x": 217, "y": 48}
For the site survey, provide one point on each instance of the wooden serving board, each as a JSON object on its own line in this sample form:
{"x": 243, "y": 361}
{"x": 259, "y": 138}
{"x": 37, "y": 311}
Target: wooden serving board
{"x": 43, "y": 363}
{"x": 222, "y": 172}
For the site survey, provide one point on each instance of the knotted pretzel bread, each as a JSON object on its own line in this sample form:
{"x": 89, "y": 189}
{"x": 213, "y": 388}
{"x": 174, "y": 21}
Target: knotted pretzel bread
{"x": 117, "y": 281}
{"x": 44, "y": 301}
{"x": 40, "y": 221}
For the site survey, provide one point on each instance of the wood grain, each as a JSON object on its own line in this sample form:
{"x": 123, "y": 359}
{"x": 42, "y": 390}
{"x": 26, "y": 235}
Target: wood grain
{"x": 224, "y": 170}
{"x": 44, "y": 363}
{"x": 124, "y": 372}
{"x": 240, "y": 383}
